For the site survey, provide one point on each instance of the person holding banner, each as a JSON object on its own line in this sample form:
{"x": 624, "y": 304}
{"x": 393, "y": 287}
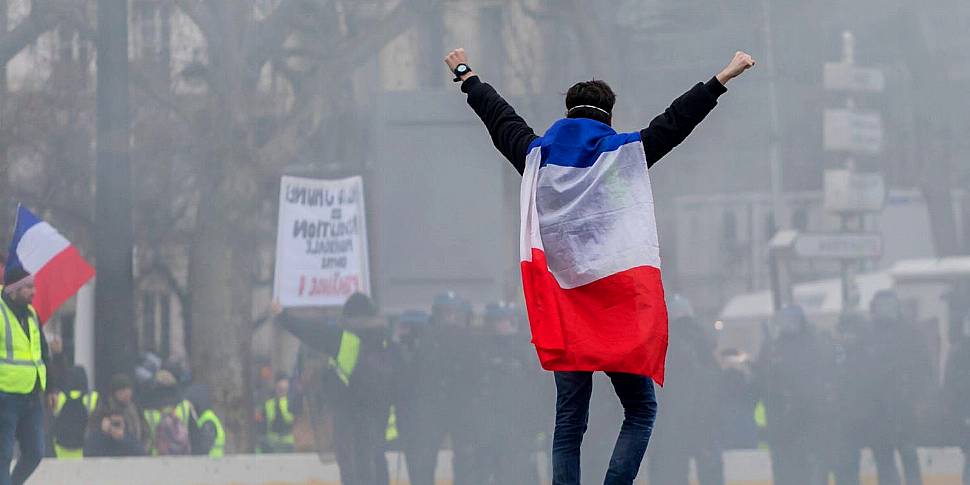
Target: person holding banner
{"x": 590, "y": 253}
{"x": 360, "y": 385}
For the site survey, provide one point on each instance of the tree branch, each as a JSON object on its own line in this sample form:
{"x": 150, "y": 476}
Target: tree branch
{"x": 339, "y": 62}
{"x": 40, "y": 20}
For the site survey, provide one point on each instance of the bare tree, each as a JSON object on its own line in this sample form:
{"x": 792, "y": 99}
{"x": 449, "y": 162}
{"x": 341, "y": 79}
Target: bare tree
{"x": 243, "y": 139}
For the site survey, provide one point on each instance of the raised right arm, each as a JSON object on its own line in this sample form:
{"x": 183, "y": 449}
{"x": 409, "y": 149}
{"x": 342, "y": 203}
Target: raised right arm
{"x": 510, "y": 134}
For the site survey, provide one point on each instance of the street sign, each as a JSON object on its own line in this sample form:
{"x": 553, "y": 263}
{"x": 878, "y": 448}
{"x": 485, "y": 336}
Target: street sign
{"x": 852, "y": 131}
{"x": 840, "y": 76}
{"x": 839, "y": 245}
{"x": 847, "y": 191}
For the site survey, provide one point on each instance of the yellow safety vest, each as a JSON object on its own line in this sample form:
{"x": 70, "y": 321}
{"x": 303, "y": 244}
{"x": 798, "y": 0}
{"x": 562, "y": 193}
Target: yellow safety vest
{"x": 21, "y": 362}
{"x": 347, "y": 356}
{"x": 761, "y": 420}
{"x": 285, "y": 415}
{"x": 219, "y": 445}
{"x": 90, "y": 401}
{"x": 391, "y": 433}
{"x": 183, "y": 411}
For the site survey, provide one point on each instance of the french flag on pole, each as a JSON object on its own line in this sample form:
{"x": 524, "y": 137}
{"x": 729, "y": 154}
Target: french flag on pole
{"x": 590, "y": 253}
{"x": 56, "y": 267}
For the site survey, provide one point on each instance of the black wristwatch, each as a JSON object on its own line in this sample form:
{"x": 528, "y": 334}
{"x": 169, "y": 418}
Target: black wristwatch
{"x": 461, "y": 70}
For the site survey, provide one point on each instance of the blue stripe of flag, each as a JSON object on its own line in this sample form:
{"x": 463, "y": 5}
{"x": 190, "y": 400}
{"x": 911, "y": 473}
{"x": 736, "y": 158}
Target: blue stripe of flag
{"x": 578, "y": 142}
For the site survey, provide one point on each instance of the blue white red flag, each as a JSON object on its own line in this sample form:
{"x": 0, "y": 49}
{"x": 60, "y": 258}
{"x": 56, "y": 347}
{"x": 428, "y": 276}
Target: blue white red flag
{"x": 56, "y": 267}
{"x": 590, "y": 252}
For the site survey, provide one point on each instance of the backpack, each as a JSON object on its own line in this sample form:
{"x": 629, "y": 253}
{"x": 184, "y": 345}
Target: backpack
{"x": 172, "y": 435}
{"x": 71, "y": 422}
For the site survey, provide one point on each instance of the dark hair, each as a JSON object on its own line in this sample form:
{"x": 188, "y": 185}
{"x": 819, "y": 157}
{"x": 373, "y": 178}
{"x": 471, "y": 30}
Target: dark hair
{"x": 359, "y": 305}
{"x": 591, "y": 93}
{"x": 121, "y": 381}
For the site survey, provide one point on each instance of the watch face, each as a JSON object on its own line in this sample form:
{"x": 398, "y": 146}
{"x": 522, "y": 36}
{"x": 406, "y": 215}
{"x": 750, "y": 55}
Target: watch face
{"x": 462, "y": 69}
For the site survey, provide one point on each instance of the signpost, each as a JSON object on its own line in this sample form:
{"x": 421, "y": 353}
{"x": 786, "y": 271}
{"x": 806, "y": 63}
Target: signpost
{"x": 848, "y": 191}
{"x": 852, "y": 131}
{"x": 842, "y": 76}
{"x": 840, "y": 245}
{"x": 850, "y": 194}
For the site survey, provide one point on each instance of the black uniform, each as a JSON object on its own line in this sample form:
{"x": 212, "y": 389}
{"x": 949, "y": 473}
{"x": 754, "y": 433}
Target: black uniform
{"x": 901, "y": 382}
{"x": 689, "y": 424}
{"x": 419, "y": 398}
{"x": 854, "y": 391}
{"x": 795, "y": 378}
{"x": 509, "y": 405}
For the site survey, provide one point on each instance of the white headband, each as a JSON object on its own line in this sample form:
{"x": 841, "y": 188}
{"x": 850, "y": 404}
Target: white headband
{"x": 601, "y": 110}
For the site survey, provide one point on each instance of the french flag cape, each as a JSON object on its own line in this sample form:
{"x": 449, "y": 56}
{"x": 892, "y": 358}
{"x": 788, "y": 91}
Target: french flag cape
{"x": 58, "y": 269}
{"x": 590, "y": 253}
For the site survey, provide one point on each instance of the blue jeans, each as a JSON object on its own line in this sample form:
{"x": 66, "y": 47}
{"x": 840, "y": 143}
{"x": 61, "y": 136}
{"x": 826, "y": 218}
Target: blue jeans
{"x": 572, "y": 413}
{"x": 21, "y": 420}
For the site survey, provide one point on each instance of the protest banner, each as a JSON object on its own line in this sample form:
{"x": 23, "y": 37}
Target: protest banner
{"x": 321, "y": 242}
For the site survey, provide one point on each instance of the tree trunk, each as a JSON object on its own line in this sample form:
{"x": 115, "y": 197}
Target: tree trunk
{"x": 221, "y": 318}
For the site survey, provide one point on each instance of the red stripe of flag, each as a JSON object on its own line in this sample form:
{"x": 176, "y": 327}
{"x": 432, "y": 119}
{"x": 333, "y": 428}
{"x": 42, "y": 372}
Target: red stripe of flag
{"x": 617, "y": 323}
{"x": 59, "y": 280}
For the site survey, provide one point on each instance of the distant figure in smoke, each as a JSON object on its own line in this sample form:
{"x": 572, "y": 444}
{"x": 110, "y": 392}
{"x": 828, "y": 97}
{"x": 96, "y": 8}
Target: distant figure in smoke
{"x": 902, "y": 379}
{"x": 956, "y": 392}
{"x": 456, "y": 372}
{"x": 688, "y": 428}
{"x": 438, "y": 381}
{"x": 854, "y": 391}
{"x": 792, "y": 370}
{"x": 418, "y": 396}
{"x": 279, "y": 418}
{"x": 588, "y": 220}
{"x": 738, "y": 399}
{"x": 509, "y": 402}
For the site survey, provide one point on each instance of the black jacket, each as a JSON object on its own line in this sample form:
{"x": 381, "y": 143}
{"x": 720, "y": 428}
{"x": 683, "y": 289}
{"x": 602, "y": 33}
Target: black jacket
{"x": 512, "y": 135}
{"x": 100, "y": 444}
{"x": 368, "y": 386}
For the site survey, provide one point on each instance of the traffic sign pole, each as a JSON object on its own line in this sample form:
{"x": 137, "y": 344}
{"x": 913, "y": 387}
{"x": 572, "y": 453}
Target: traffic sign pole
{"x": 850, "y": 194}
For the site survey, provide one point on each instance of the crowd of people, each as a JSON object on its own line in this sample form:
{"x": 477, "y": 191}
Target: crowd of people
{"x": 421, "y": 382}
{"x": 157, "y": 412}
{"x": 814, "y": 398}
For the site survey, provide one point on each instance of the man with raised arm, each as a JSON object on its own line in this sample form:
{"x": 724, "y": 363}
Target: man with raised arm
{"x": 590, "y": 254}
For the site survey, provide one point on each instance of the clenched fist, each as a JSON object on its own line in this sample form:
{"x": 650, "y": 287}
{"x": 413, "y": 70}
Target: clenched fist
{"x": 741, "y": 62}
{"x": 456, "y": 57}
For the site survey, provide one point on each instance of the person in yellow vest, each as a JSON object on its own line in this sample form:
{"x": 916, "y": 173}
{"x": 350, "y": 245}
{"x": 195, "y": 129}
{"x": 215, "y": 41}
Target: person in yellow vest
{"x": 23, "y": 378}
{"x": 358, "y": 387}
{"x": 72, "y": 410}
{"x": 278, "y": 418}
{"x": 170, "y": 421}
{"x": 208, "y": 434}
{"x": 209, "y": 424}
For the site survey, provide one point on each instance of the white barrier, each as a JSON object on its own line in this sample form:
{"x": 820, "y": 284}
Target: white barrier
{"x": 940, "y": 467}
